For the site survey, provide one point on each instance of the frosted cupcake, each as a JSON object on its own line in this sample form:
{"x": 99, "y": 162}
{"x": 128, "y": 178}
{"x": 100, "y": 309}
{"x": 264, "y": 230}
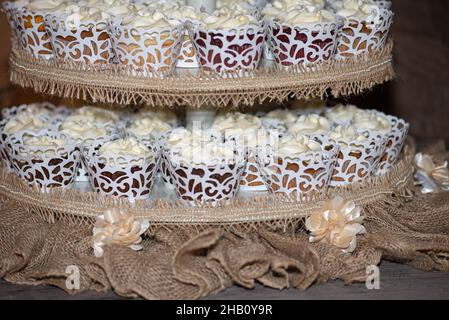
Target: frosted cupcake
{"x": 164, "y": 115}
{"x": 366, "y": 27}
{"x": 149, "y": 43}
{"x": 309, "y": 124}
{"x": 343, "y": 114}
{"x": 31, "y": 23}
{"x": 234, "y": 124}
{"x": 372, "y": 121}
{"x": 298, "y": 164}
{"x": 44, "y": 160}
{"x": 79, "y": 33}
{"x": 359, "y": 154}
{"x": 228, "y": 42}
{"x": 149, "y": 129}
{"x": 294, "y": 32}
{"x": 205, "y": 173}
{"x": 122, "y": 167}
{"x": 278, "y": 119}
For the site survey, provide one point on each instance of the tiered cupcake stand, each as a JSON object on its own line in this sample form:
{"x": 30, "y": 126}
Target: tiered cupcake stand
{"x": 196, "y": 90}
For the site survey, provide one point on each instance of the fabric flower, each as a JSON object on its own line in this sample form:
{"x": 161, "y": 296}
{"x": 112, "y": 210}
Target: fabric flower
{"x": 119, "y": 228}
{"x": 430, "y": 177}
{"x": 337, "y": 223}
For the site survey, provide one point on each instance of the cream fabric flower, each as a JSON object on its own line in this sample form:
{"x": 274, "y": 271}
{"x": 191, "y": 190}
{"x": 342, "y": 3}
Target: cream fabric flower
{"x": 120, "y": 228}
{"x": 337, "y": 224}
{"x": 430, "y": 177}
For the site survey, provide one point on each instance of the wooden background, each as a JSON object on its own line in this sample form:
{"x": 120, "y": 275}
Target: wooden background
{"x": 420, "y": 92}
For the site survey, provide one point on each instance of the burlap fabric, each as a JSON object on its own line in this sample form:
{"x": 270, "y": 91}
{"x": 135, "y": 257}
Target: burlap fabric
{"x": 116, "y": 84}
{"x": 180, "y": 262}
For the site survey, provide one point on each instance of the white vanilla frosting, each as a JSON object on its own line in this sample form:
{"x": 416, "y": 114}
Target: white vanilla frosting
{"x": 372, "y": 121}
{"x": 355, "y": 8}
{"x": 46, "y": 6}
{"x": 42, "y": 145}
{"x": 281, "y": 115}
{"x": 343, "y": 114}
{"x": 22, "y": 122}
{"x": 293, "y": 146}
{"x": 227, "y": 19}
{"x": 345, "y": 135}
{"x": 306, "y": 15}
{"x": 129, "y": 147}
{"x": 258, "y": 138}
{"x": 309, "y": 124}
{"x": 279, "y": 8}
{"x": 205, "y": 152}
{"x": 165, "y": 115}
{"x": 145, "y": 126}
{"x": 82, "y": 129}
{"x": 181, "y": 137}
{"x": 98, "y": 115}
{"x": 152, "y": 20}
{"x": 234, "y": 124}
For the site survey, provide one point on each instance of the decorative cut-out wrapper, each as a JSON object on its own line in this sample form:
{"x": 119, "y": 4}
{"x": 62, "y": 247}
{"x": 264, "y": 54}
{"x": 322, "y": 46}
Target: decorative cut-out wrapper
{"x": 152, "y": 52}
{"x": 187, "y": 55}
{"x": 395, "y": 142}
{"x": 5, "y": 147}
{"x": 228, "y": 51}
{"x": 362, "y": 36}
{"x": 130, "y": 177}
{"x": 204, "y": 184}
{"x": 252, "y": 179}
{"x": 296, "y": 176}
{"x": 302, "y": 45}
{"x": 45, "y": 168}
{"x": 358, "y": 161}
{"x": 34, "y": 37}
{"x": 10, "y": 10}
{"x": 81, "y": 41}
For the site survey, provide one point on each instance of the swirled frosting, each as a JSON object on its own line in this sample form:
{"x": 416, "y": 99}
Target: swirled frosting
{"x": 128, "y": 147}
{"x": 165, "y": 115}
{"x": 82, "y": 129}
{"x": 146, "y": 126}
{"x": 306, "y": 15}
{"x": 234, "y": 124}
{"x": 205, "y": 152}
{"x": 42, "y": 146}
{"x": 345, "y": 135}
{"x": 46, "y": 6}
{"x": 152, "y": 20}
{"x": 310, "y": 124}
{"x": 181, "y": 137}
{"x": 372, "y": 121}
{"x": 22, "y": 122}
{"x": 281, "y": 115}
{"x": 98, "y": 115}
{"x": 258, "y": 138}
{"x": 342, "y": 114}
{"x": 355, "y": 8}
{"x": 279, "y": 8}
{"x": 293, "y": 146}
{"x": 223, "y": 19}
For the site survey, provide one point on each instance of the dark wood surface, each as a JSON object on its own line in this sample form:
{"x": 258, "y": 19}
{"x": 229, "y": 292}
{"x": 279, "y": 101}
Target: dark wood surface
{"x": 396, "y": 282}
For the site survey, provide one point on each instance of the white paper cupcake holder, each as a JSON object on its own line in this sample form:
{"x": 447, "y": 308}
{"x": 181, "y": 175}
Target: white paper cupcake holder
{"x": 33, "y": 34}
{"x": 296, "y": 176}
{"x": 395, "y": 142}
{"x": 133, "y": 181}
{"x": 52, "y": 168}
{"x": 151, "y": 53}
{"x": 210, "y": 184}
{"x": 88, "y": 42}
{"x": 187, "y": 55}
{"x": 358, "y": 160}
{"x": 228, "y": 51}
{"x": 302, "y": 45}
{"x": 358, "y": 36}
{"x": 10, "y": 10}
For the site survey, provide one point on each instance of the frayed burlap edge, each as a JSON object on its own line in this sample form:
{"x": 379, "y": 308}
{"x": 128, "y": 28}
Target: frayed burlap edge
{"x": 114, "y": 84}
{"x": 82, "y": 207}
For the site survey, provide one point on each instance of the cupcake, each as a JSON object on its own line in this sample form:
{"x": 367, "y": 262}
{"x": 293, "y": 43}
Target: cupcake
{"x": 251, "y": 141}
{"x": 359, "y": 154}
{"x": 80, "y": 34}
{"x": 343, "y": 114}
{"x": 235, "y": 123}
{"x": 372, "y": 121}
{"x": 302, "y": 35}
{"x": 122, "y": 167}
{"x": 205, "y": 172}
{"x": 149, "y": 129}
{"x": 148, "y": 44}
{"x": 366, "y": 27}
{"x": 298, "y": 164}
{"x": 30, "y": 20}
{"x": 228, "y": 42}
{"x": 165, "y": 115}
{"x": 309, "y": 124}
{"x": 394, "y": 145}
{"x": 44, "y": 159}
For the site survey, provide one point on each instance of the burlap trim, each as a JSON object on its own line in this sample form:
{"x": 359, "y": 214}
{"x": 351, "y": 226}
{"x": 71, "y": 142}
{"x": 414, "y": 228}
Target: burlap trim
{"x": 83, "y": 207}
{"x": 116, "y": 85}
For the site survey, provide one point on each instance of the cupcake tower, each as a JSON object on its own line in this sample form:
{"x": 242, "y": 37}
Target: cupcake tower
{"x": 291, "y": 152}
{"x": 152, "y": 38}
